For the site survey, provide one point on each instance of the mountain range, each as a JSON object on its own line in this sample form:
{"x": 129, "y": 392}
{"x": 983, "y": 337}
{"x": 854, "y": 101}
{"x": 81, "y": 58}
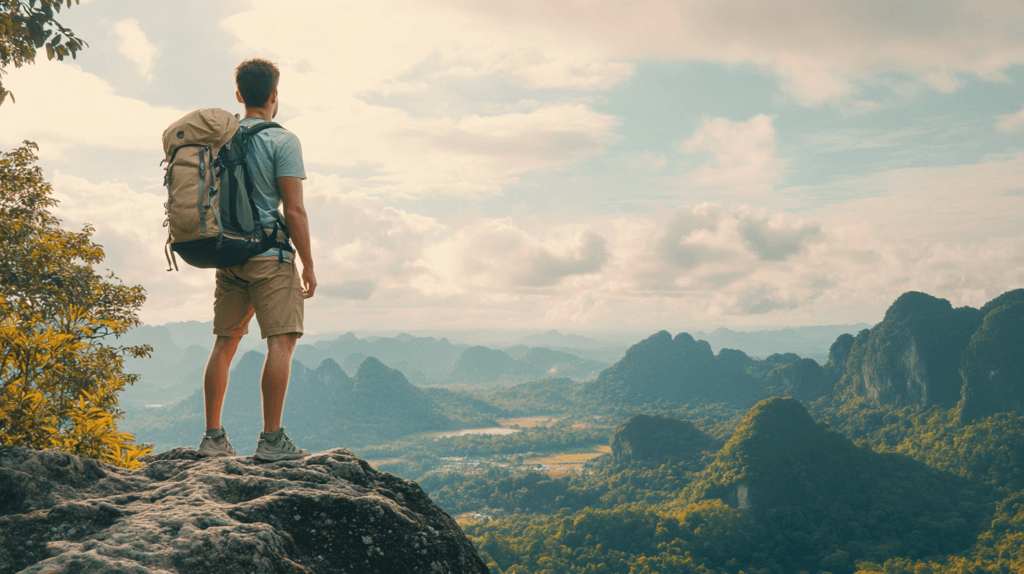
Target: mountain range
{"x": 325, "y": 408}
{"x": 682, "y": 369}
{"x": 173, "y": 372}
{"x": 924, "y": 352}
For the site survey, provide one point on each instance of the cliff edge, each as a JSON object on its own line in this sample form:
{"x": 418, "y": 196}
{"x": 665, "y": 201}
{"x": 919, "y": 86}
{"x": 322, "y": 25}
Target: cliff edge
{"x": 330, "y": 512}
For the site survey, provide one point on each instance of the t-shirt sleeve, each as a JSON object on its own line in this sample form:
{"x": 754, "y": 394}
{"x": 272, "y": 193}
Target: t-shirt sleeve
{"x": 288, "y": 158}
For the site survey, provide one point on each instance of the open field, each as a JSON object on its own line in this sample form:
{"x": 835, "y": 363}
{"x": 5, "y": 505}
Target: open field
{"x": 528, "y": 422}
{"x": 567, "y": 462}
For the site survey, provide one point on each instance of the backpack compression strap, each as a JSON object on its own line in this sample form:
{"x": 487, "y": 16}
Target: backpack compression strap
{"x": 246, "y": 133}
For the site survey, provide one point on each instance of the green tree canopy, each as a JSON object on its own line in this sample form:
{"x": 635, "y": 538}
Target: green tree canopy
{"x": 59, "y": 379}
{"x": 28, "y": 26}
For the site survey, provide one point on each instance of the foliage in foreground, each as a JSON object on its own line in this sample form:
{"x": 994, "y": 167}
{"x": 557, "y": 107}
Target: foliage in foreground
{"x": 59, "y": 381}
{"x": 28, "y": 26}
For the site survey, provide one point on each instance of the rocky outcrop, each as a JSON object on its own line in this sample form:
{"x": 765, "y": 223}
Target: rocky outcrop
{"x": 912, "y": 356}
{"x": 664, "y": 368}
{"x": 992, "y": 366}
{"x": 656, "y": 439}
{"x": 838, "y": 353}
{"x": 330, "y": 512}
{"x": 683, "y": 369}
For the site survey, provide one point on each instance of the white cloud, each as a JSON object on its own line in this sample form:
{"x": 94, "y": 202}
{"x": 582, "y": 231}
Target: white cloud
{"x": 360, "y": 245}
{"x": 532, "y": 73}
{"x": 1012, "y": 122}
{"x": 364, "y": 46}
{"x": 128, "y": 226}
{"x": 381, "y": 267}
{"x": 472, "y": 155}
{"x": 97, "y": 117}
{"x": 134, "y": 45}
{"x": 331, "y": 66}
{"x": 700, "y": 261}
{"x": 497, "y": 258}
{"x": 777, "y": 236}
{"x": 359, "y": 241}
{"x": 359, "y": 289}
{"x": 954, "y": 203}
{"x": 711, "y": 248}
{"x": 824, "y": 52}
{"x": 742, "y": 156}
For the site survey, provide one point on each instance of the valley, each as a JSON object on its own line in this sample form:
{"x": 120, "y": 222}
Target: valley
{"x": 888, "y": 456}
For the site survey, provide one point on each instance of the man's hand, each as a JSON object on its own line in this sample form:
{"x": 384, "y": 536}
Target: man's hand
{"x": 308, "y": 282}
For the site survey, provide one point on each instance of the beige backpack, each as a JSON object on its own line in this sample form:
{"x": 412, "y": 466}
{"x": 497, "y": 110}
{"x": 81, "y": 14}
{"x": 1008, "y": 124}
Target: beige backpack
{"x": 211, "y": 218}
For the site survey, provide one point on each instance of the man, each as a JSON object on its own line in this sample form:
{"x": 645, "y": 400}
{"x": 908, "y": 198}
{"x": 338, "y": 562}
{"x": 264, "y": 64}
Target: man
{"x": 266, "y": 285}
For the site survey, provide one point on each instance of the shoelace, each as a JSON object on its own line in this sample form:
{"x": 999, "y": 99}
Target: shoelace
{"x": 284, "y": 443}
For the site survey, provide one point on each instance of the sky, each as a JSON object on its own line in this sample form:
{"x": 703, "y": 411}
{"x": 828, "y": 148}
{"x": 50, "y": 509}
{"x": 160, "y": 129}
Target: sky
{"x": 581, "y": 165}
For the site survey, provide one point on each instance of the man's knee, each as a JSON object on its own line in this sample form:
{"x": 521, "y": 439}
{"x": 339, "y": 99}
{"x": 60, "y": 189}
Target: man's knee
{"x": 223, "y": 351}
{"x": 283, "y": 341}
{"x": 226, "y": 343}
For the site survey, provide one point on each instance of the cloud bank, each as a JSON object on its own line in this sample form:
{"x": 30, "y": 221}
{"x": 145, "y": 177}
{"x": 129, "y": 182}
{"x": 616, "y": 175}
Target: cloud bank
{"x": 381, "y": 267}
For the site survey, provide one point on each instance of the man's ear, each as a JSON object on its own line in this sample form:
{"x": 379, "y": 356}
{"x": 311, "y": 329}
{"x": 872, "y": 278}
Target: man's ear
{"x": 238, "y": 96}
{"x": 273, "y": 97}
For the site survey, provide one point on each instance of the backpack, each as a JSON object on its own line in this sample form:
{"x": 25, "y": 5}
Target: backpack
{"x": 212, "y": 220}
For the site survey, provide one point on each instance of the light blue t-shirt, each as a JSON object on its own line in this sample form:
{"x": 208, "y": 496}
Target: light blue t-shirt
{"x": 273, "y": 153}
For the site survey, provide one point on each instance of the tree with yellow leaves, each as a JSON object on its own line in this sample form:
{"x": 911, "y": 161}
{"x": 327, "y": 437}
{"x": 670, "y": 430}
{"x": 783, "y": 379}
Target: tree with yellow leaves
{"x": 60, "y": 375}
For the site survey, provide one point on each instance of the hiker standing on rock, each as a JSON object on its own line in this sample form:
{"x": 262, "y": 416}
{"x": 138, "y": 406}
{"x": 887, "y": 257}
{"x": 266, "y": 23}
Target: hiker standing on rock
{"x": 268, "y": 284}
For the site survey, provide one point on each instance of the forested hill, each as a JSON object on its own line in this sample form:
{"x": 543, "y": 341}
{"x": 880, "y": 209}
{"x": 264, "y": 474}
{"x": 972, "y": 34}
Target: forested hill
{"x": 811, "y": 484}
{"x": 657, "y": 439}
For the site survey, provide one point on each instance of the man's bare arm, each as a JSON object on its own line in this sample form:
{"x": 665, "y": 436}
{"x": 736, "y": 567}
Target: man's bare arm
{"x": 298, "y": 226}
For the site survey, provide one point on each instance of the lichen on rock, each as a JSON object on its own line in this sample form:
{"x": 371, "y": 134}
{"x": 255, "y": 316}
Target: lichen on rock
{"x": 329, "y": 512}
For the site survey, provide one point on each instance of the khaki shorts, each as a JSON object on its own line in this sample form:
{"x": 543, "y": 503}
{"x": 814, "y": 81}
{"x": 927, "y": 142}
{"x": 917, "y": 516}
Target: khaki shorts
{"x": 263, "y": 286}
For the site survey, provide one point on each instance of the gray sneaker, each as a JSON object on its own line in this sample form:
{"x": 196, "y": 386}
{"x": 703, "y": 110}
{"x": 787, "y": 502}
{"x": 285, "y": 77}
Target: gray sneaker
{"x": 215, "y": 443}
{"x": 277, "y": 446}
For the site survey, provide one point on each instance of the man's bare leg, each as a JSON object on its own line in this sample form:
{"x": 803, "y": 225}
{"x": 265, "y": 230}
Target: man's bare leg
{"x": 215, "y": 380}
{"x": 276, "y": 371}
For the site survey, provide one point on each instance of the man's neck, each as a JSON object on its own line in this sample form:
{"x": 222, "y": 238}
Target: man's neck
{"x": 259, "y": 113}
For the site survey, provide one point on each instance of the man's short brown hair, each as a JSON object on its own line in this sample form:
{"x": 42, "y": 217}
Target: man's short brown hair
{"x": 256, "y": 79}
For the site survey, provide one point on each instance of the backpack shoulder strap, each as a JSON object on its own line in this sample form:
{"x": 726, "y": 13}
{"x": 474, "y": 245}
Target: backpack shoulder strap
{"x": 255, "y": 129}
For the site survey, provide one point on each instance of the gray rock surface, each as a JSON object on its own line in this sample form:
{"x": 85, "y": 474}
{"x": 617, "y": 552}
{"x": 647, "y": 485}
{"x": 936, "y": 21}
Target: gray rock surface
{"x": 912, "y": 356}
{"x": 329, "y": 512}
{"x": 993, "y": 363}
